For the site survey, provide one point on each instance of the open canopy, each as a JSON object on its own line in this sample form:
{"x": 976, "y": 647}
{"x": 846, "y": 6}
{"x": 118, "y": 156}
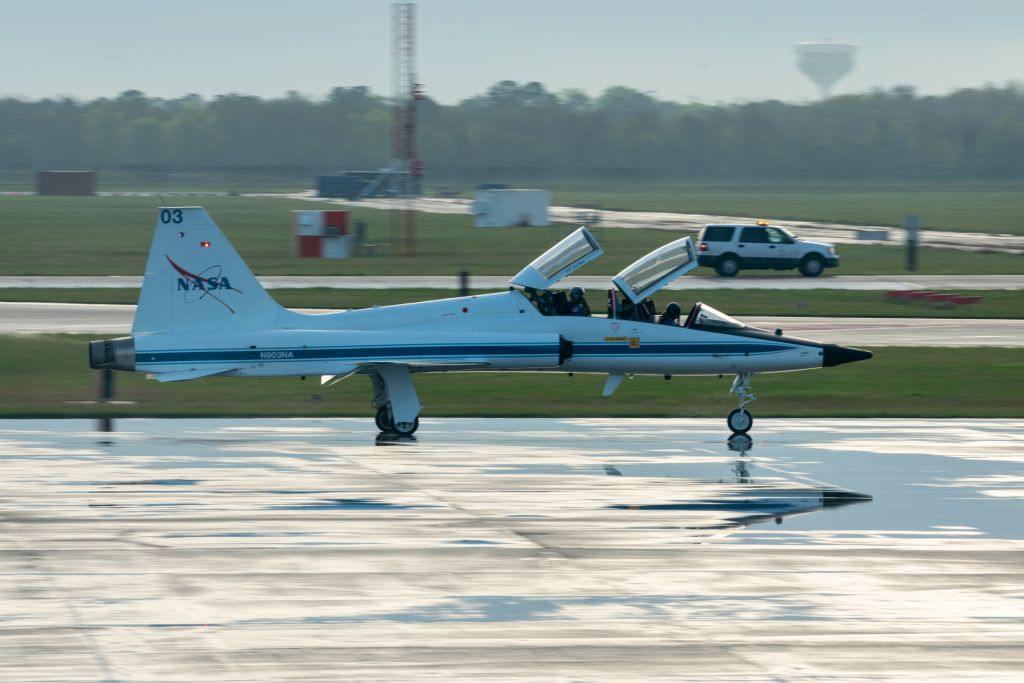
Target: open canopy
{"x": 647, "y": 275}
{"x": 574, "y": 251}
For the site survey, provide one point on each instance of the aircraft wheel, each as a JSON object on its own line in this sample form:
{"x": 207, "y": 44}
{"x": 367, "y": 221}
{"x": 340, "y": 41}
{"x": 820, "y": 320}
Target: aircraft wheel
{"x": 740, "y": 421}
{"x": 407, "y": 431}
{"x": 385, "y": 422}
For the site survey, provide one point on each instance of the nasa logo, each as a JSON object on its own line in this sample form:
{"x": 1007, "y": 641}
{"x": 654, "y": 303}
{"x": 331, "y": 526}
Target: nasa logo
{"x": 200, "y": 285}
{"x": 186, "y": 284}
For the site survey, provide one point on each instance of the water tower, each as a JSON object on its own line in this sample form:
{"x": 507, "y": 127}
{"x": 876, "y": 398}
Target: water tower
{"x": 825, "y": 62}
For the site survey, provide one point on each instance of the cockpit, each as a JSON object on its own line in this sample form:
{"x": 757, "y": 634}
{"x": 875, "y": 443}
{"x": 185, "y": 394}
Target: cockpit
{"x": 705, "y": 317}
{"x": 629, "y": 299}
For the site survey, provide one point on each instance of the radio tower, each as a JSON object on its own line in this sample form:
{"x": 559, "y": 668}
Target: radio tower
{"x": 405, "y": 92}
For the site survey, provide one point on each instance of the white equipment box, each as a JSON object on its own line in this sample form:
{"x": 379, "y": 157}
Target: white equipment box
{"x": 511, "y": 208}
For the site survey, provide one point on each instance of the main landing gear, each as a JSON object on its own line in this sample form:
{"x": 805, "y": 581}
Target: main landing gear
{"x": 394, "y": 396}
{"x": 740, "y": 421}
{"x": 386, "y": 422}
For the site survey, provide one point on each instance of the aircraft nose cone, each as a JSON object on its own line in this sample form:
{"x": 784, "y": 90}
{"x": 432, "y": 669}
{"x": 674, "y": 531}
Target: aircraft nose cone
{"x": 833, "y": 354}
{"x": 833, "y": 498}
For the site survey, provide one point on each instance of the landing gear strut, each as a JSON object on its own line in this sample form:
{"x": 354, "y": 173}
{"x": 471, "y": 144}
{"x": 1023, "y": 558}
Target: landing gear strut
{"x": 394, "y": 395}
{"x": 740, "y": 421}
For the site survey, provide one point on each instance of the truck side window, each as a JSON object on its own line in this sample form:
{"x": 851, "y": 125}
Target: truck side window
{"x": 753, "y": 236}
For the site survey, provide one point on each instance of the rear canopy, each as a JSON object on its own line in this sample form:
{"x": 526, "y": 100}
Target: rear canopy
{"x": 647, "y": 275}
{"x": 573, "y": 252}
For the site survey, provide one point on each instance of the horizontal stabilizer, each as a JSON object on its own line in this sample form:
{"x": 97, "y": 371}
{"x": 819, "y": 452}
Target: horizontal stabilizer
{"x": 193, "y": 373}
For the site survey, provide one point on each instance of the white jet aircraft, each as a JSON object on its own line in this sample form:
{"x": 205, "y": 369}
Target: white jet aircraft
{"x": 202, "y": 313}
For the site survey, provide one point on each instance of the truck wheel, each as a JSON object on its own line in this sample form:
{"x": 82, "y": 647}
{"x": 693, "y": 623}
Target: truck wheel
{"x": 812, "y": 265}
{"x": 727, "y": 266}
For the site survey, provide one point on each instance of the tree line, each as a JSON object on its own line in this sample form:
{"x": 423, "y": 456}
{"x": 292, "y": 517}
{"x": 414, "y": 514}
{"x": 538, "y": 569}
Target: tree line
{"x": 522, "y": 130}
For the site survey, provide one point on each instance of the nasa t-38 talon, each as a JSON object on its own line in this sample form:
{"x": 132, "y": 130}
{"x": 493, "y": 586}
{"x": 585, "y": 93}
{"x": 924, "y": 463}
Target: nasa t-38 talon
{"x": 202, "y": 313}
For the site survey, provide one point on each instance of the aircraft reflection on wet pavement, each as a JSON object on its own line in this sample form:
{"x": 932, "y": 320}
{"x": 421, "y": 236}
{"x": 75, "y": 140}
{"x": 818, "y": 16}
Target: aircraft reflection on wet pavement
{"x": 712, "y": 504}
{"x": 743, "y": 502}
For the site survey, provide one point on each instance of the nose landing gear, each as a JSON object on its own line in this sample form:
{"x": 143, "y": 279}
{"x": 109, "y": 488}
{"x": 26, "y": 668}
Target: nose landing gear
{"x": 740, "y": 421}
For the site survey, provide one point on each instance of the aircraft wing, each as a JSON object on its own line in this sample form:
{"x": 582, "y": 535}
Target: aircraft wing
{"x": 421, "y": 365}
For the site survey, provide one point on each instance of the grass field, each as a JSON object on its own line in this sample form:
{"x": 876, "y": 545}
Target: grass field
{"x": 111, "y": 235}
{"x": 968, "y": 207}
{"x": 814, "y": 302}
{"x": 40, "y": 376}
{"x": 971, "y": 208}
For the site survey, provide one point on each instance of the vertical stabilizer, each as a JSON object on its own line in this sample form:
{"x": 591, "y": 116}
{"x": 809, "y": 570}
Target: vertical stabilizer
{"x": 195, "y": 280}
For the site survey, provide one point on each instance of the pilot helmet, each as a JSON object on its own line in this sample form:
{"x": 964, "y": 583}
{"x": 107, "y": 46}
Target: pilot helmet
{"x": 576, "y": 293}
{"x": 672, "y": 310}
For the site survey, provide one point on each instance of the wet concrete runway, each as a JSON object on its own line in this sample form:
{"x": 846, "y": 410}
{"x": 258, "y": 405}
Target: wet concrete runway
{"x": 243, "y": 550}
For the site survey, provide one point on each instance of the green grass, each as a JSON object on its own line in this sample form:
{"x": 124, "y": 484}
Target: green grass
{"x": 111, "y": 236}
{"x": 811, "y": 302}
{"x": 41, "y": 374}
{"x": 970, "y": 208}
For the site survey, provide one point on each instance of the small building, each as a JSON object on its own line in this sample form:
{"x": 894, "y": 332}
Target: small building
{"x": 66, "y": 183}
{"x": 511, "y": 208}
{"x": 322, "y": 234}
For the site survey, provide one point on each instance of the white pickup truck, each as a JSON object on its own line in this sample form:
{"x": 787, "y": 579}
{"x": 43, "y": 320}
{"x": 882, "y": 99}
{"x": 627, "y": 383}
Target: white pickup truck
{"x": 732, "y": 248}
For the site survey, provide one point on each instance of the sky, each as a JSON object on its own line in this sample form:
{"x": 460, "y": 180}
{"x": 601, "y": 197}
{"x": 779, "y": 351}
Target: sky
{"x": 679, "y": 50}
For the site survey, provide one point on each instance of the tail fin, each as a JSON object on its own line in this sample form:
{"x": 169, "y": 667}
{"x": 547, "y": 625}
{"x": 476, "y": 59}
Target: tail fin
{"x": 195, "y": 280}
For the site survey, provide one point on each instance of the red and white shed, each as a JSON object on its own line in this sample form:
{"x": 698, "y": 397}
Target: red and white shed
{"x": 322, "y": 234}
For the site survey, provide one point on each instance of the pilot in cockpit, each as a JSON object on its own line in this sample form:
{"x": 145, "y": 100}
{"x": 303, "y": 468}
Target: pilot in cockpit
{"x": 578, "y": 303}
{"x": 542, "y": 299}
{"x": 671, "y": 314}
{"x": 642, "y": 312}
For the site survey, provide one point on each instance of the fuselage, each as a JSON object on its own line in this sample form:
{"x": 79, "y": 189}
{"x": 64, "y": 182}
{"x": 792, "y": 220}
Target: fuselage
{"x": 492, "y": 332}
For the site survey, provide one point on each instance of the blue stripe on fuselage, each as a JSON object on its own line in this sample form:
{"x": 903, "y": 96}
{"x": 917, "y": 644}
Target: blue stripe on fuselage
{"x": 619, "y": 349}
{"x": 344, "y": 353}
{"x": 678, "y": 349}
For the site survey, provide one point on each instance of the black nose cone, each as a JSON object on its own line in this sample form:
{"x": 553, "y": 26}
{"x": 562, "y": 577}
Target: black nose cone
{"x": 833, "y": 354}
{"x": 831, "y": 498}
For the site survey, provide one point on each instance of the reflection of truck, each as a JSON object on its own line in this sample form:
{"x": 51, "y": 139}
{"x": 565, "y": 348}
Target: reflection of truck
{"x": 499, "y": 208}
{"x": 731, "y": 248}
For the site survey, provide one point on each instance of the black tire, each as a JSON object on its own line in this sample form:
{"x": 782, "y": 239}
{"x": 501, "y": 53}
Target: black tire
{"x": 740, "y": 421}
{"x": 812, "y": 265}
{"x": 727, "y": 266}
{"x": 385, "y": 422}
{"x": 407, "y": 432}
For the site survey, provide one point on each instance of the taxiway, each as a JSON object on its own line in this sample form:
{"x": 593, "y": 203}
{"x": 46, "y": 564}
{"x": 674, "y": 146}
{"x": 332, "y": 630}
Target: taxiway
{"x": 594, "y": 282}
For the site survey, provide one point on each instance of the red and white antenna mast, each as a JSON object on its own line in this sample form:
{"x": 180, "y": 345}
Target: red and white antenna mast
{"x": 405, "y": 92}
